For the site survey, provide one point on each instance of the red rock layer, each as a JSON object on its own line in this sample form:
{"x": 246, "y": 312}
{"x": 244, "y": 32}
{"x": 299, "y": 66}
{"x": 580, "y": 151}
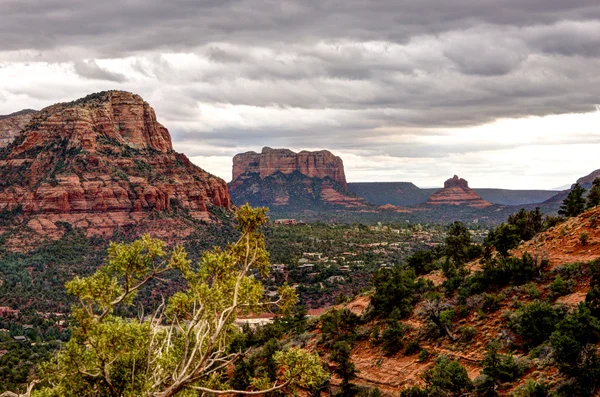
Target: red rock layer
{"x": 456, "y": 191}
{"x": 12, "y": 124}
{"x": 101, "y": 162}
{"x": 319, "y": 164}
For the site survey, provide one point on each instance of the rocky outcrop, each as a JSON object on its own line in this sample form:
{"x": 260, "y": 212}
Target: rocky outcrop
{"x": 456, "y": 191}
{"x": 586, "y": 181}
{"x": 280, "y": 178}
{"x": 321, "y": 164}
{"x": 100, "y": 162}
{"x": 12, "y": 124}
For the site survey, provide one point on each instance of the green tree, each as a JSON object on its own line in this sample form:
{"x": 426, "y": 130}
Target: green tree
{"x": 574, "y": 342}
{"x": 184, "y": 347}
{"x": 535, "y": 322}
{"x": 574, "y": 204}
{"x": 345, "y": 369}
{"x": 458, "y": 242}
{"x": 497, "y": 368}
{"x": 447, "y": 378}
{"x": 593, "y": 198}
{"x": 394, "y": 288}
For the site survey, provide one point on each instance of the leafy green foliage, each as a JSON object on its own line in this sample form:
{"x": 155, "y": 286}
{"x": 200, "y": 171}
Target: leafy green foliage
{"x": 497, "y": 368}
{"x": 345, "y": 368}
{"x": 183, "y": 346}
{"x": 394, "y": 289}
{"x": 535, "y": 322}
{"x": 521, "y": 226}
{"x": 575, "y": 351}
{"x": 447, "y": 378}
{"x": 593, "y": 197}
{"x": 575, "y": 202}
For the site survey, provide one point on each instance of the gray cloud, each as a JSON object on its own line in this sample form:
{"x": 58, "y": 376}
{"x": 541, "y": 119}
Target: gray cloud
{"x": 91, "y": 70}
{"x": 337, "y": 74}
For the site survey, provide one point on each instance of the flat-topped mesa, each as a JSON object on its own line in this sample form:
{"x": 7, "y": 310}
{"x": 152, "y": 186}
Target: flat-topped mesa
{"x": 456, "y": 191}
{"x": 100, "y": 162}
{"x": 319, "y": 164}
{"x": 119, "y": 117}
{"x": 12, "y": 124}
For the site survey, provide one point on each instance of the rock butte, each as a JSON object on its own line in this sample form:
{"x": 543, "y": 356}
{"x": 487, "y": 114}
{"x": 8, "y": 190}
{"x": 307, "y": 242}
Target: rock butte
{"x": 319, "y": 164}
{"x": 456, "y": 191}
{"x": 281, "y": 177}
{"x": 100, "y": 162}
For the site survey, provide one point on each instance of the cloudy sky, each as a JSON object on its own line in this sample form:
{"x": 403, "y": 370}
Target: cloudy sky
{"x": 500, "y": 92}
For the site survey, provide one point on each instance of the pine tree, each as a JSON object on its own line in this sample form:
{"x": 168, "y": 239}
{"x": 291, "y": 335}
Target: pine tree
{"x": 574, "y": 204}
{"x": 593, "y": 198}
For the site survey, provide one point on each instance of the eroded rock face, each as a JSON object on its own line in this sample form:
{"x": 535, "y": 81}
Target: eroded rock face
{"x": 456, "y": 191}
{"x": 319, "y": 164}
{"x": 12, "y": 124}
{"x": 100, "y": 162}
{"x": 297, "y": 181}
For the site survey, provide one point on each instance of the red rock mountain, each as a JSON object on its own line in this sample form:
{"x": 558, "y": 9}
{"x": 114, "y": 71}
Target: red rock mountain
{"x": 297, "y": 181}
{"x": 456, "y": 191}
{"x": 319, "y": 164}
{"x": 12, "y": 124}
{"x": 100, "y": 162}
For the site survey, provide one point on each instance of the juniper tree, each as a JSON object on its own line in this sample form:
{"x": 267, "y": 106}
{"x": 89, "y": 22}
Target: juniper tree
{"x": 184, "y": 347}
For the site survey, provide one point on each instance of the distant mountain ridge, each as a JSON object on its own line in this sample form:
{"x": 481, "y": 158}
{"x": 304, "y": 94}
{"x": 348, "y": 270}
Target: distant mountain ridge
{"x": 408, "y": 194}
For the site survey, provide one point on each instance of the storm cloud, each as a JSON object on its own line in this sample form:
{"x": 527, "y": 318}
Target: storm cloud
{"x": 401, "y": 82}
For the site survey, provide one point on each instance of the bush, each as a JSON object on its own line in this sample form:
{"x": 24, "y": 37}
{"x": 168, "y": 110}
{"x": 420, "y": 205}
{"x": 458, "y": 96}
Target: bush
{"x": 574, "y": 347}
{"x": 584, "y": 238}
{"x": 447, "y": 378}
{"x": 560, "y": 287}
{"x": 424, "y": 355}
{"x": 412, "y": 347}
{"x": 535, "y": 322}
{"x": 468, "y": 333}
{"x": 391, "y": 339}
{"x": 394, "y": 288}
{"x": 497, "y": 368}
{"x": 532, "y": 388}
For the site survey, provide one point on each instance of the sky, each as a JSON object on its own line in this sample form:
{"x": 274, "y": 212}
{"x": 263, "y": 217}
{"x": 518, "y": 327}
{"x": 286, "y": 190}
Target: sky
{"x": 501, "y": 92}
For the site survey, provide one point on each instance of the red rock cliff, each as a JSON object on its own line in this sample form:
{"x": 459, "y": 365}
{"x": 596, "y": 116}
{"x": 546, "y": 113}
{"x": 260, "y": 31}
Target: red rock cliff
{"x": 456, "y": 191}
{"x": 12, "y": 124}
{"x": 100, "y": 162}
{"x": 319, "y": 164}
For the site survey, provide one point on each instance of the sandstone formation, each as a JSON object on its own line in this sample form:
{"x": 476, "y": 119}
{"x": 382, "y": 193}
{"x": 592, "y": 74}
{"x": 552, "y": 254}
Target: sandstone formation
{"x": 280, "y": 178}
{"x": 12, "y": 124}
{"x": 319, "y": 164}
{"x": 100, "y": 162}
{"x": 456, "y": 191}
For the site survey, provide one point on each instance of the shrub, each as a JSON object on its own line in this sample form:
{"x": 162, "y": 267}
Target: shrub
{"x": 391, "y": 339}
{"x": 532, "y": 388}
{"x": 583, "y": 238}
{"x": 497, "y": 368}
{"x": 424, "y": 355}
{"x": 447, "y": 378}
{"x": 394, "y": 288}
{"x": 560, "y": 287}
{"x": 412, "y": 347}
{"x": 535, "y": 322}
{"x": 468, "y": 333}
